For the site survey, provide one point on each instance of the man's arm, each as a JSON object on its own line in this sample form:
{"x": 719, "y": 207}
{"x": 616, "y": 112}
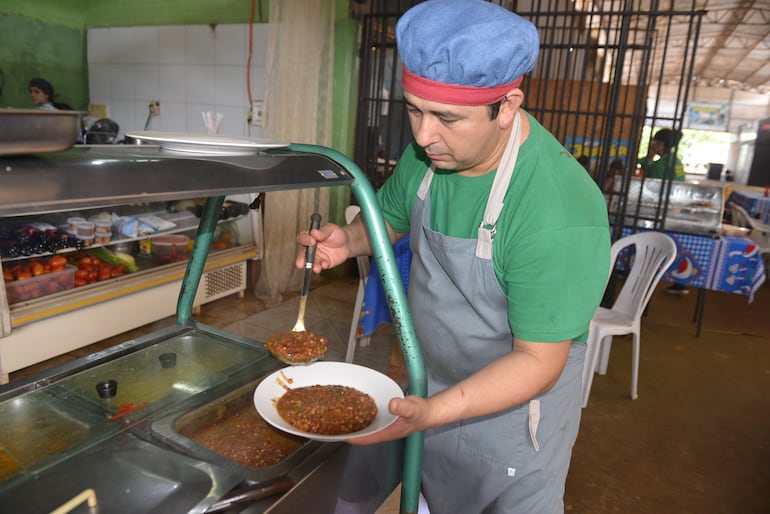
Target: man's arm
{"x": 529, "y": 370}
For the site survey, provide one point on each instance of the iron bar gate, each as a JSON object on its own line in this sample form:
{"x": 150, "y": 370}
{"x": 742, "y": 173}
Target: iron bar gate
{"x": 598, "y": 81}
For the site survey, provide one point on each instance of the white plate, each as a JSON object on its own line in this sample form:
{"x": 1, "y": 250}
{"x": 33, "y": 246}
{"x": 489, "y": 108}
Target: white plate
{"x": 380, "y": 387}
{"x": 205, "y": 144}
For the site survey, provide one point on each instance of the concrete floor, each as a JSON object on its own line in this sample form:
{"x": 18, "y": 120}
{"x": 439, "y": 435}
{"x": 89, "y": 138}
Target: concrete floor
{"x": 697, "y": 440}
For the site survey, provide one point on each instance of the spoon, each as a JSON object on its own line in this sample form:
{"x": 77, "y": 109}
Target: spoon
{"x": 299, "y": 326}
{"x": 299, "y": 346}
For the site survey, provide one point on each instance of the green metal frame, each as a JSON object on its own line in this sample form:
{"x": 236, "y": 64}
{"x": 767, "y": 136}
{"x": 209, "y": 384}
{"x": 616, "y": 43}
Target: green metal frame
{"x": 391, "y": 281}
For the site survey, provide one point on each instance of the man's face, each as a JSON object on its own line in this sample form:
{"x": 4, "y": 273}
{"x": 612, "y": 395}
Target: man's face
{"x": 455, "y": 137}
{"x": 657, "y": 147}
{"x": 38, "y": 97}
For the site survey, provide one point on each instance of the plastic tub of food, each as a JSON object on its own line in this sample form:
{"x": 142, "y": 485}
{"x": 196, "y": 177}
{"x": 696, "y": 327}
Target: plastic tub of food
{"x": 170, "y": 248}
{"x": 41, "y": 285}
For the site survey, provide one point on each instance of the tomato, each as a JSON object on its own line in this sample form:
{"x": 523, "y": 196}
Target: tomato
{"x": 92, "y": 276}
{"x": 80, "y": 282}
{"x": 8, "y": 275}
{"x": 56, "y": 261}
{"x": 81, "y": 274}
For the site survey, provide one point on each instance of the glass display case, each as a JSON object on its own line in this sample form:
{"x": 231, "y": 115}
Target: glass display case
{"x": 688, "y": 207}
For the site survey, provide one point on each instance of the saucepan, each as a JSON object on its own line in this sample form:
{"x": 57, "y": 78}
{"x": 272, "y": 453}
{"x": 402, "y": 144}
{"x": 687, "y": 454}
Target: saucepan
{"x": 26, "y": 131}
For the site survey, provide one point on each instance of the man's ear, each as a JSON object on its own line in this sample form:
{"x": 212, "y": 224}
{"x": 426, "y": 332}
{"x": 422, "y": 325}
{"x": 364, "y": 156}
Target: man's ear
{"x": 510, "y": 105}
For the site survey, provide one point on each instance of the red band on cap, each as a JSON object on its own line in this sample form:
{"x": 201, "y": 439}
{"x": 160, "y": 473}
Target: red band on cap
{"x": 454, "y": 94}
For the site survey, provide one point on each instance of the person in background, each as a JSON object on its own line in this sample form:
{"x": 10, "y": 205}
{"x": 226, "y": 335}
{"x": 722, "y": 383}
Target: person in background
{"x": 510, "y": 242}
{"x": 615, "y": 172}
{"x": 42, "y": 94}
{"x": 661, "y": 161}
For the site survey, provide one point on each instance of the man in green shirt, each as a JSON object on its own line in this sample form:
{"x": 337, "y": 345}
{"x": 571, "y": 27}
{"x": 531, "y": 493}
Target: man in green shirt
{"x": 661, "y": 161}
{"x": 510, "y": 243}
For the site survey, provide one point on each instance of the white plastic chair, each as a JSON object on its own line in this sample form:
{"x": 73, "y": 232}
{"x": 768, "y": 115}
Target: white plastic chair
{"x": 655, "y": 252}
{"x": 363, "y": 272}
{"x": 760, "y": 233}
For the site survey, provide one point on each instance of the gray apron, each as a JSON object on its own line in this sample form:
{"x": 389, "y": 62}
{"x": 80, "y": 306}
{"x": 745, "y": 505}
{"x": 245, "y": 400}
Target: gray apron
{"x": 510, "y": 462}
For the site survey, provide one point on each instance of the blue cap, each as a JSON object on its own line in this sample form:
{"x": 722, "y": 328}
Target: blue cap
{"x": 474, "y": 44}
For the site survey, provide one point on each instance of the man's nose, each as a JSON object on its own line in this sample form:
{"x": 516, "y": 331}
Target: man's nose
{"x": 425, "y": 131}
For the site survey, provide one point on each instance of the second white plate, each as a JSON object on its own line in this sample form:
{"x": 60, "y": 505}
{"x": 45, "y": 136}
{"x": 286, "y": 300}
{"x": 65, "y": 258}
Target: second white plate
{"x": 377, "y": 385}
{"x": 205, "y": 144}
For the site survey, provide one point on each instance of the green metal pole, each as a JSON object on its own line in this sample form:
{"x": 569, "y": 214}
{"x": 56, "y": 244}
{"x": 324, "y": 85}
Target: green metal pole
{"x": 209, "y": 220}
{"x": 402, "y": 318}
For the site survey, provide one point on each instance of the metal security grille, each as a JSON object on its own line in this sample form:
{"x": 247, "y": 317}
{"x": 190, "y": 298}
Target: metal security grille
{"x": 598, "y": 82}
{"x": 223, "y": 281}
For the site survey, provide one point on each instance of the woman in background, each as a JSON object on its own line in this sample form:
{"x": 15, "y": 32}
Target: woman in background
{"x": 42, "y": 95}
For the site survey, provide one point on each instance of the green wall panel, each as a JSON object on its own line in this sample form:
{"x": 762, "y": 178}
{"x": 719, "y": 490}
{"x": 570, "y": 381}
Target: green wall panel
{"x": 32, "y": 48}
{"x": 122, "y": 13}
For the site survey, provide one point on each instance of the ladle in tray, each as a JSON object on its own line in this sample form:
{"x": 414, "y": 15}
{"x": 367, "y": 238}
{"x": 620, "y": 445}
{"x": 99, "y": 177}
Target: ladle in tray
{"x": 299, "y": 326}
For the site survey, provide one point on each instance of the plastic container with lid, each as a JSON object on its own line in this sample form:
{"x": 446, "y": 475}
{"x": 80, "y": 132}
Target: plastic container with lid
{"x": 170, "y": 248}
{"x": 84, "y": 229}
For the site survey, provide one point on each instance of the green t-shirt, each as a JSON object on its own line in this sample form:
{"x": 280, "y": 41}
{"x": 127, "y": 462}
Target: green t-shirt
{"x": 551, "y": 250}
{"x": 659, "y": 168}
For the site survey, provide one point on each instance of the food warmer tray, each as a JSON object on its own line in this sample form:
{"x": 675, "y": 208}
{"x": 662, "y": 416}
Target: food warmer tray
{"x": 126, "y": 475}
{"x": 108, "y": 175}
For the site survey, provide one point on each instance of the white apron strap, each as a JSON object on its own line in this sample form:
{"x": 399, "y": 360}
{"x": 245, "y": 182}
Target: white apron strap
{"x": 488, "y": 225}
{"x": 425, "y": 184}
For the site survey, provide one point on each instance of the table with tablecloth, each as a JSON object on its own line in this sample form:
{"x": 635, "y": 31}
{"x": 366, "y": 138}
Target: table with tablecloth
{"x": 729, "y": 264}
{"x": 754, "y": 202}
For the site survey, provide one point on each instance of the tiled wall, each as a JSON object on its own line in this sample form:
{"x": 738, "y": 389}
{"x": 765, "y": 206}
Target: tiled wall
{"x": 188, "y": 69}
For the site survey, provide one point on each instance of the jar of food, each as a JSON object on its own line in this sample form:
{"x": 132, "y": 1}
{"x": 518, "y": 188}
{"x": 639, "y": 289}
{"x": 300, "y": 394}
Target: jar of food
{"x": 72, "y": 224}
{"x": 102, "y": 227}
{"x": 84, "y": 229}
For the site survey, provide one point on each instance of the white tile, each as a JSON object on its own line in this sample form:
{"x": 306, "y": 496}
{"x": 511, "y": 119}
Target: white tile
{"x": 123, "y": 113}
{"x": 122, "y": 45}
{"x": 171, "y": 42}
{"x": 98, "y": 46}
{"x": 230, "y": 86}
{"x": 234, "y": 122}
{"x": 147, "y": 44}
{"x": 258, "y": 76}
{"x": 200, "y": 84}
{"x": 99, "y": 80}
{"x": 122, "y": 81}
{"x": 172, "y": 118}
{"x": 195, "y": 112}
{"x": 230, "y": 45}
{"x": 146, "y": 82}
{"x": 199, "y": 44}
{"x": 259, "y": 44}
{"x": 173, "y": 82}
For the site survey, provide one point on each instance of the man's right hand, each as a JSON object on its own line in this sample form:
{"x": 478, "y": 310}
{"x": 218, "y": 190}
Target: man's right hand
{"x": 332, "y": 247}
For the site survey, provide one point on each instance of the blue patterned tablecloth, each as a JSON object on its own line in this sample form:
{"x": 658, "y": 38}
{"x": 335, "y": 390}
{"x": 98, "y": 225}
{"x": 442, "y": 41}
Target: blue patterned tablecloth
{"x": 375, "y": 309}
{"x": 755, "y": 203}
{"x": 730, "y": 264}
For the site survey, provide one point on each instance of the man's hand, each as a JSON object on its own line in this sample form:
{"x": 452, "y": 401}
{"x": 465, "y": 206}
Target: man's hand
{"x": 413, "y": 414}
{"x": 332, "y": 247}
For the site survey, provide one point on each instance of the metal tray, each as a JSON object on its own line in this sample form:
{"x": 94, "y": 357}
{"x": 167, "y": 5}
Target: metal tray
{"x": 199, "y": 429}
{"x": 202, "y": 360}
{"x": 37, "y": 430}
{"x": 128, "y": 475}
{"x": 28, "y": 131}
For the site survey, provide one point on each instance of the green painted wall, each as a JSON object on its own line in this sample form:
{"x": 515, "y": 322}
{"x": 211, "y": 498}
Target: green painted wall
{"x": 31, "y": 48}
{"x": 47, "y": 38}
